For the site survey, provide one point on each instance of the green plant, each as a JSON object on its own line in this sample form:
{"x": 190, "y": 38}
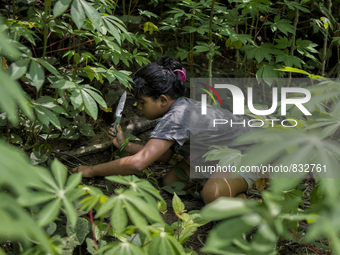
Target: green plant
{"x": 58, "y": 54}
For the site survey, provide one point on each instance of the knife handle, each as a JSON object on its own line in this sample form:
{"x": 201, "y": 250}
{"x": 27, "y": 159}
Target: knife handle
{"x": 117, "y": 121}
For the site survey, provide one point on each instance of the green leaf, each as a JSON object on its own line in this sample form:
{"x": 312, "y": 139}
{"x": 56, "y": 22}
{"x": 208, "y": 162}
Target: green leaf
{"x": 23, "y": 228}
{"x": 60, "y": 7}
{"x": 163, "y": 242}
{"x": 49, "y": 212}
{"x": 60, "y": 173}
{"x": 72, "y": 182}
{"x": 219, "y": 239}
{"x": 50, "y": 103}
{"x": 80, "y": 230}
{"x": 112, "y": 30}
{"x": 283, "y": 25}
{"x": 260, "y": 52}
{"x": 37, "y": 74}
{"x": 90, "y": 104}
{"x": 71, "y": 212}
{"x": 40, "y": 154}
{"x": 35, "y": 198}
{"x": 96, "y": 97}
{"x": 118, "y": 218}
{"x": 63, "y": 84}
{"x": 46, "y": 116}
{"x": 123, "y": 248}
{"x": 177, "y": 205}
{"x": 48, "y": 66}
{"x": 201, "y": 48}
{"x": 18, "y": 68}
{"x": 77, "y": 14}
{"x": 268, "y": 74}
{"x": 223, "y": 208}
{"x": 92, "y": 14}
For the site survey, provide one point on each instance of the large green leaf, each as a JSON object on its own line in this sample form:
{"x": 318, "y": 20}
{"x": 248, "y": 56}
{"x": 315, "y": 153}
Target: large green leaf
{"x": 96, "y": 97}
{"x": 46, "y": 116}
{"x": 224, "y": 207}
{"x": 63, "y": 84}
{"x": 122, "y": 248}
{"x": 60, "y": 7}
{"x": 165, "y": 244}
{"x": 49, "y": 212}
{"x": 18, "y": 68}
{"x": 37, "y": 74}
{"x": 49, "y": 67}
{"x": 92, "y": 15}
{"x": 119, "y": 218}
{"x": 90, "y": 104}
{"x": 220, "y": 239}
{"x": 18, "y": 225}
{"x": 50, "y": 103}
{"x": 77, "y": 13}
{"x": 60, "y": 173}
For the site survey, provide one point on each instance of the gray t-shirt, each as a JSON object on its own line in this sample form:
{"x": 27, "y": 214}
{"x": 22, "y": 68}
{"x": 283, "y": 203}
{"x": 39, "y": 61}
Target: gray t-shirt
{"x": 194, "y": 133}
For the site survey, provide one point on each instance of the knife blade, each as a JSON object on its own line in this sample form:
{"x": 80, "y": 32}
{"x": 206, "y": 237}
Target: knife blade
{"x": 119, "y": 110}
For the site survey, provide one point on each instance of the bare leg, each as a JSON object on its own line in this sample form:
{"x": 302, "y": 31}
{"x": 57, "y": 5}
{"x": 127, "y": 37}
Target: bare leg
{"x": 223, "y": 187}
{"x": 171, "y": 176}
{"x": 214, "y": 188}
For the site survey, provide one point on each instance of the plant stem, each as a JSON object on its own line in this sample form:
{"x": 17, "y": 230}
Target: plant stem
{"x": 178, "y": 229}
{"x": 46, "y": 4}
{"x": 93, "y": 230}
{"x": 325, "y": 43}
{"x": 211, "y": 45}
{"x": 296, "y": 20}
{"x": 134, "y": 235}
{"x": 13, "y": 8}
{"x": 257, "y": 22}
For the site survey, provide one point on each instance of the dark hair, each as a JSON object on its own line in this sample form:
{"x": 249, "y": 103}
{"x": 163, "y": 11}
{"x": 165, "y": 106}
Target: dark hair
{"x": 158, "y": 78}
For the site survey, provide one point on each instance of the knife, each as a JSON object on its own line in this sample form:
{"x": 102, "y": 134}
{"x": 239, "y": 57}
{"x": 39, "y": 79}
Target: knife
{"x": 119, "y": 110}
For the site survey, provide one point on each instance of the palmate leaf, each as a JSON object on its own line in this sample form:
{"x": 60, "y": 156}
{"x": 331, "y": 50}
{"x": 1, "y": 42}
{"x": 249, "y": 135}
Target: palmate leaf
{"x": 96, "y": 96}
{"x": 260, "y": 52}
{"x": 122, "y": 248}
{"x": 219, "y": 243}
{"x": 137, "y": 185}
{"x": 224, "y": 155}
{"x": 282, "y": 25}
{"x": 92, "y": 14}
{"x": 18, "y": 225}
{"x": 164, "y": 244}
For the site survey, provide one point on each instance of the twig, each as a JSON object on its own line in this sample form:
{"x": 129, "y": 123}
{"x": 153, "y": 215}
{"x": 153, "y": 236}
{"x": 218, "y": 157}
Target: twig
{"x": 134, "y": 235}
{"x": 93, "y": 231}
{"x": 67, "y": 48}
{"x": 70, "y": 156}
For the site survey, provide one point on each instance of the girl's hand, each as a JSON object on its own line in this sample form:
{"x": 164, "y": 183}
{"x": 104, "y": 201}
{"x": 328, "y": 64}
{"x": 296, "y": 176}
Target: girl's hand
{"x": 117, "y": 139}
{"x": 86, "y": 171}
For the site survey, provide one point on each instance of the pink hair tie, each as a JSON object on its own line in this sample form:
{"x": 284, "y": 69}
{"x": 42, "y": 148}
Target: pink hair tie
{"x": 181, "y": 74}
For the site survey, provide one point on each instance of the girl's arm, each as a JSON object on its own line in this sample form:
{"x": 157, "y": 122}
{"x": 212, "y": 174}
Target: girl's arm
{"x": 133, "y": 148}
{"x": 153, "y": 150}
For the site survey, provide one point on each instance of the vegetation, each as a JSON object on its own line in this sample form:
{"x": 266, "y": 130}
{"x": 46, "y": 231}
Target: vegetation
{"x": 55, "y": 53}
